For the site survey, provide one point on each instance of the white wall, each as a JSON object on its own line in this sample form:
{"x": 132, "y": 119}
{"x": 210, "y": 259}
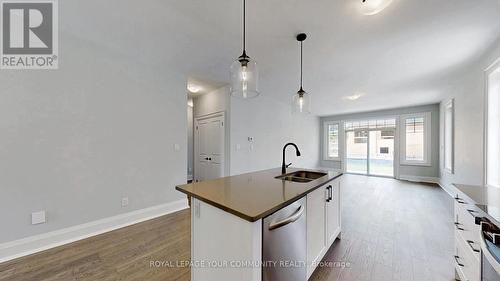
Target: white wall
{"x": 74, "y": 141}
{"x": 271, "y": 125}
{"x": 468, "y": 91}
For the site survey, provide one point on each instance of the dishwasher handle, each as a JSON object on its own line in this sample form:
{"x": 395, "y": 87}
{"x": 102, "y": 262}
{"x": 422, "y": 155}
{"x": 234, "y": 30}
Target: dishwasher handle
{"x": 288, "y": 220}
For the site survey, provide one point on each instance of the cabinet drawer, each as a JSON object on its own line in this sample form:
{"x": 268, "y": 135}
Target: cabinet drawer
{"x": 466, "y": 229}
{"x": 465, "y": 261}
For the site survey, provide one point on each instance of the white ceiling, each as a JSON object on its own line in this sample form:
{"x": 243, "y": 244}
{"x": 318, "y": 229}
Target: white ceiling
{"x": 399, "y": 57}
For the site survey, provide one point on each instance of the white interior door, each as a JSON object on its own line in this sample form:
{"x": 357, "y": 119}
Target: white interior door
{"x": 210, "y": 146}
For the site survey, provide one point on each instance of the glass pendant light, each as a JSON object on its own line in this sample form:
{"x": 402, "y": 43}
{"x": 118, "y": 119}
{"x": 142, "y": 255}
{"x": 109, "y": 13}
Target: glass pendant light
{"x": 301, "y": 101}
{"x": 244, "y": 71}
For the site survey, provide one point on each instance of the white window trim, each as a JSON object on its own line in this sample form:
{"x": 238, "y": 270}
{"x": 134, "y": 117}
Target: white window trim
{"x": 449, "y": 104}
{"x": 488, "y": 71}
{"x": 326, "y": 157}
{"x": 427, "y": 139}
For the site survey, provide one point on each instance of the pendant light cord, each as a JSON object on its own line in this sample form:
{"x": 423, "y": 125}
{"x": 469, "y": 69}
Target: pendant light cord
{"x": 301, "y": 65}
{"x": 244, "y": 24}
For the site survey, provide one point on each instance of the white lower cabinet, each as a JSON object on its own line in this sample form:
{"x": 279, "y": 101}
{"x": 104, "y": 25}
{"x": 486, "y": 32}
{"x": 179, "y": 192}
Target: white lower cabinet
{"x": 323, "y": 222}
{"x": 333, "y": 213}
{"x": 467, "y": 251}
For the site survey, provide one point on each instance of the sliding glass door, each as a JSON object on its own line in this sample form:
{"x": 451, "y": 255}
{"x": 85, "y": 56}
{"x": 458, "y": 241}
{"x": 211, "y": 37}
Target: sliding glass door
{"x": 370, "y": 147}
{"x": 381, "y": 153}
{"x": 357, "y": 151}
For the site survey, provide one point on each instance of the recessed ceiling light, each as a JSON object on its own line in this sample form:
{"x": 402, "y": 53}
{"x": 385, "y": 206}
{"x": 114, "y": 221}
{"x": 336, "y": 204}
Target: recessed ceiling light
{"x": 354, "y": 97}
{"x": 373, "y": 7}
{"x": 193, "y": 88}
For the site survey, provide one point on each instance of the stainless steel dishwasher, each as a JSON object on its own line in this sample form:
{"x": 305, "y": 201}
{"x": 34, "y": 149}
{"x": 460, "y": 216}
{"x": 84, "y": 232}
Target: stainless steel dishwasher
{"x": 284, "y": 244}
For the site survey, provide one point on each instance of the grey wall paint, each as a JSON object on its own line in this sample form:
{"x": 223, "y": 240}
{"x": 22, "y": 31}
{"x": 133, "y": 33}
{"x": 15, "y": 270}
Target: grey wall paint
{"x": 215, "y": 101}
{"x": 271, "y": 125}
{"x": 468, "y": 91}
{"x": 407, "y": 170}
{"x": 74, "y": 141}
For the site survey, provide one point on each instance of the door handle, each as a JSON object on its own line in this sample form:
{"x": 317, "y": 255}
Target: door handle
{"x": 470, "y": 242}
{"x": 471, "y": 212}
{"x": 458, "y": 263}
{"x": 294, "y": 217}
{"x": 329, "y": 189}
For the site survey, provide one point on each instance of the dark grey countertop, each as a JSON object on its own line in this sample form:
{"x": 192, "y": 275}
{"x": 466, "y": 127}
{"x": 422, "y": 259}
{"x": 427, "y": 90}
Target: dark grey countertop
{"x": 253, "y": 196}
{"x": 482, "y": 199}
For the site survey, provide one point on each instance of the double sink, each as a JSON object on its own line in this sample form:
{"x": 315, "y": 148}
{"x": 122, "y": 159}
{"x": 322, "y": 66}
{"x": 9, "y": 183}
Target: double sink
{"x": 301, "y": 176}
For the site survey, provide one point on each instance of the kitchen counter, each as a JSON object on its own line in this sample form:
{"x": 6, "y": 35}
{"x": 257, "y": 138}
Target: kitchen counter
{"x": 486, "y": 200}
{"x": 253, "y": 196}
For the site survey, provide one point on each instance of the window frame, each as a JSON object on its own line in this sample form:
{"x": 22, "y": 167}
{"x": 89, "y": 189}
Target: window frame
{"x": 326, "y": 145}
{"x": 449, "y": 105}
{"x": 427, "y": 116}
{"x": 494, "y": 67}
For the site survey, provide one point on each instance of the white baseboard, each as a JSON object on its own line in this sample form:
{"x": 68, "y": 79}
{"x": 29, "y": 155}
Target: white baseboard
{"x": 435, "y": 180}
{"x": 33, "y": 244}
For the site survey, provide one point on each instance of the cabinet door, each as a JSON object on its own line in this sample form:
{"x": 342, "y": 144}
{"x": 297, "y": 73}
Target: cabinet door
{"x": 333, "y": 213}
{"x": 316, "y": 240}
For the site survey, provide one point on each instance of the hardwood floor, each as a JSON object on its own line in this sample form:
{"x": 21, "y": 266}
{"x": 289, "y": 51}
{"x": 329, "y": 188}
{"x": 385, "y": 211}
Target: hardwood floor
{"x": 392, "y": 230}
{"x": 123, "y": 254}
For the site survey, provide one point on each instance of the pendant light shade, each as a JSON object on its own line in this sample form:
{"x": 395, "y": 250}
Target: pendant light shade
{"x": 244, "y": 71}
{"x": 244, "y": 78}
{"x": 301, "y": 101}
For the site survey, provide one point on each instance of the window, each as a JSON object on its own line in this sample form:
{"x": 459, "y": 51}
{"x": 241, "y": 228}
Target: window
{"x": 332, "y": 141}
{"x": 360, "y": 136}
{"x": 370, "y": 124}
{"x": 415, "y": 139}
{"x": 448, "y": 136}
{"x": 387, "y": 135}
{"x": 492, "y": 151}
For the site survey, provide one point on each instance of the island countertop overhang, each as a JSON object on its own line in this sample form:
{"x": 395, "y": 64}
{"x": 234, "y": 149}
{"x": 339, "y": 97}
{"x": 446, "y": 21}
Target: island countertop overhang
{"x": 253, "y": 196}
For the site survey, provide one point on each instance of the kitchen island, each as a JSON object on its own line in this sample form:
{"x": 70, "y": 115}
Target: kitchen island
{"x": 263, "y": 225}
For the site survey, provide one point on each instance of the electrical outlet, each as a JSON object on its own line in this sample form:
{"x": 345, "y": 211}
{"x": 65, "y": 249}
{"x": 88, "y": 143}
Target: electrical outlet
{"x": 124, "y": 201}
{"x": 38, "y": 217}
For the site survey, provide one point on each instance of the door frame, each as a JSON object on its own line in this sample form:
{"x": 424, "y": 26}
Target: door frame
{"x": 197, "y": 141}
{"x": 396, "y": 146}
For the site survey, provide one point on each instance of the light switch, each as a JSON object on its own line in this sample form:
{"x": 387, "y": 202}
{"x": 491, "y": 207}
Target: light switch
{"x": 38, "y": 217}
{"x": 177, "y": 147}
{"x": 238, "y": 147}
{"x": 124, "y": 201}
